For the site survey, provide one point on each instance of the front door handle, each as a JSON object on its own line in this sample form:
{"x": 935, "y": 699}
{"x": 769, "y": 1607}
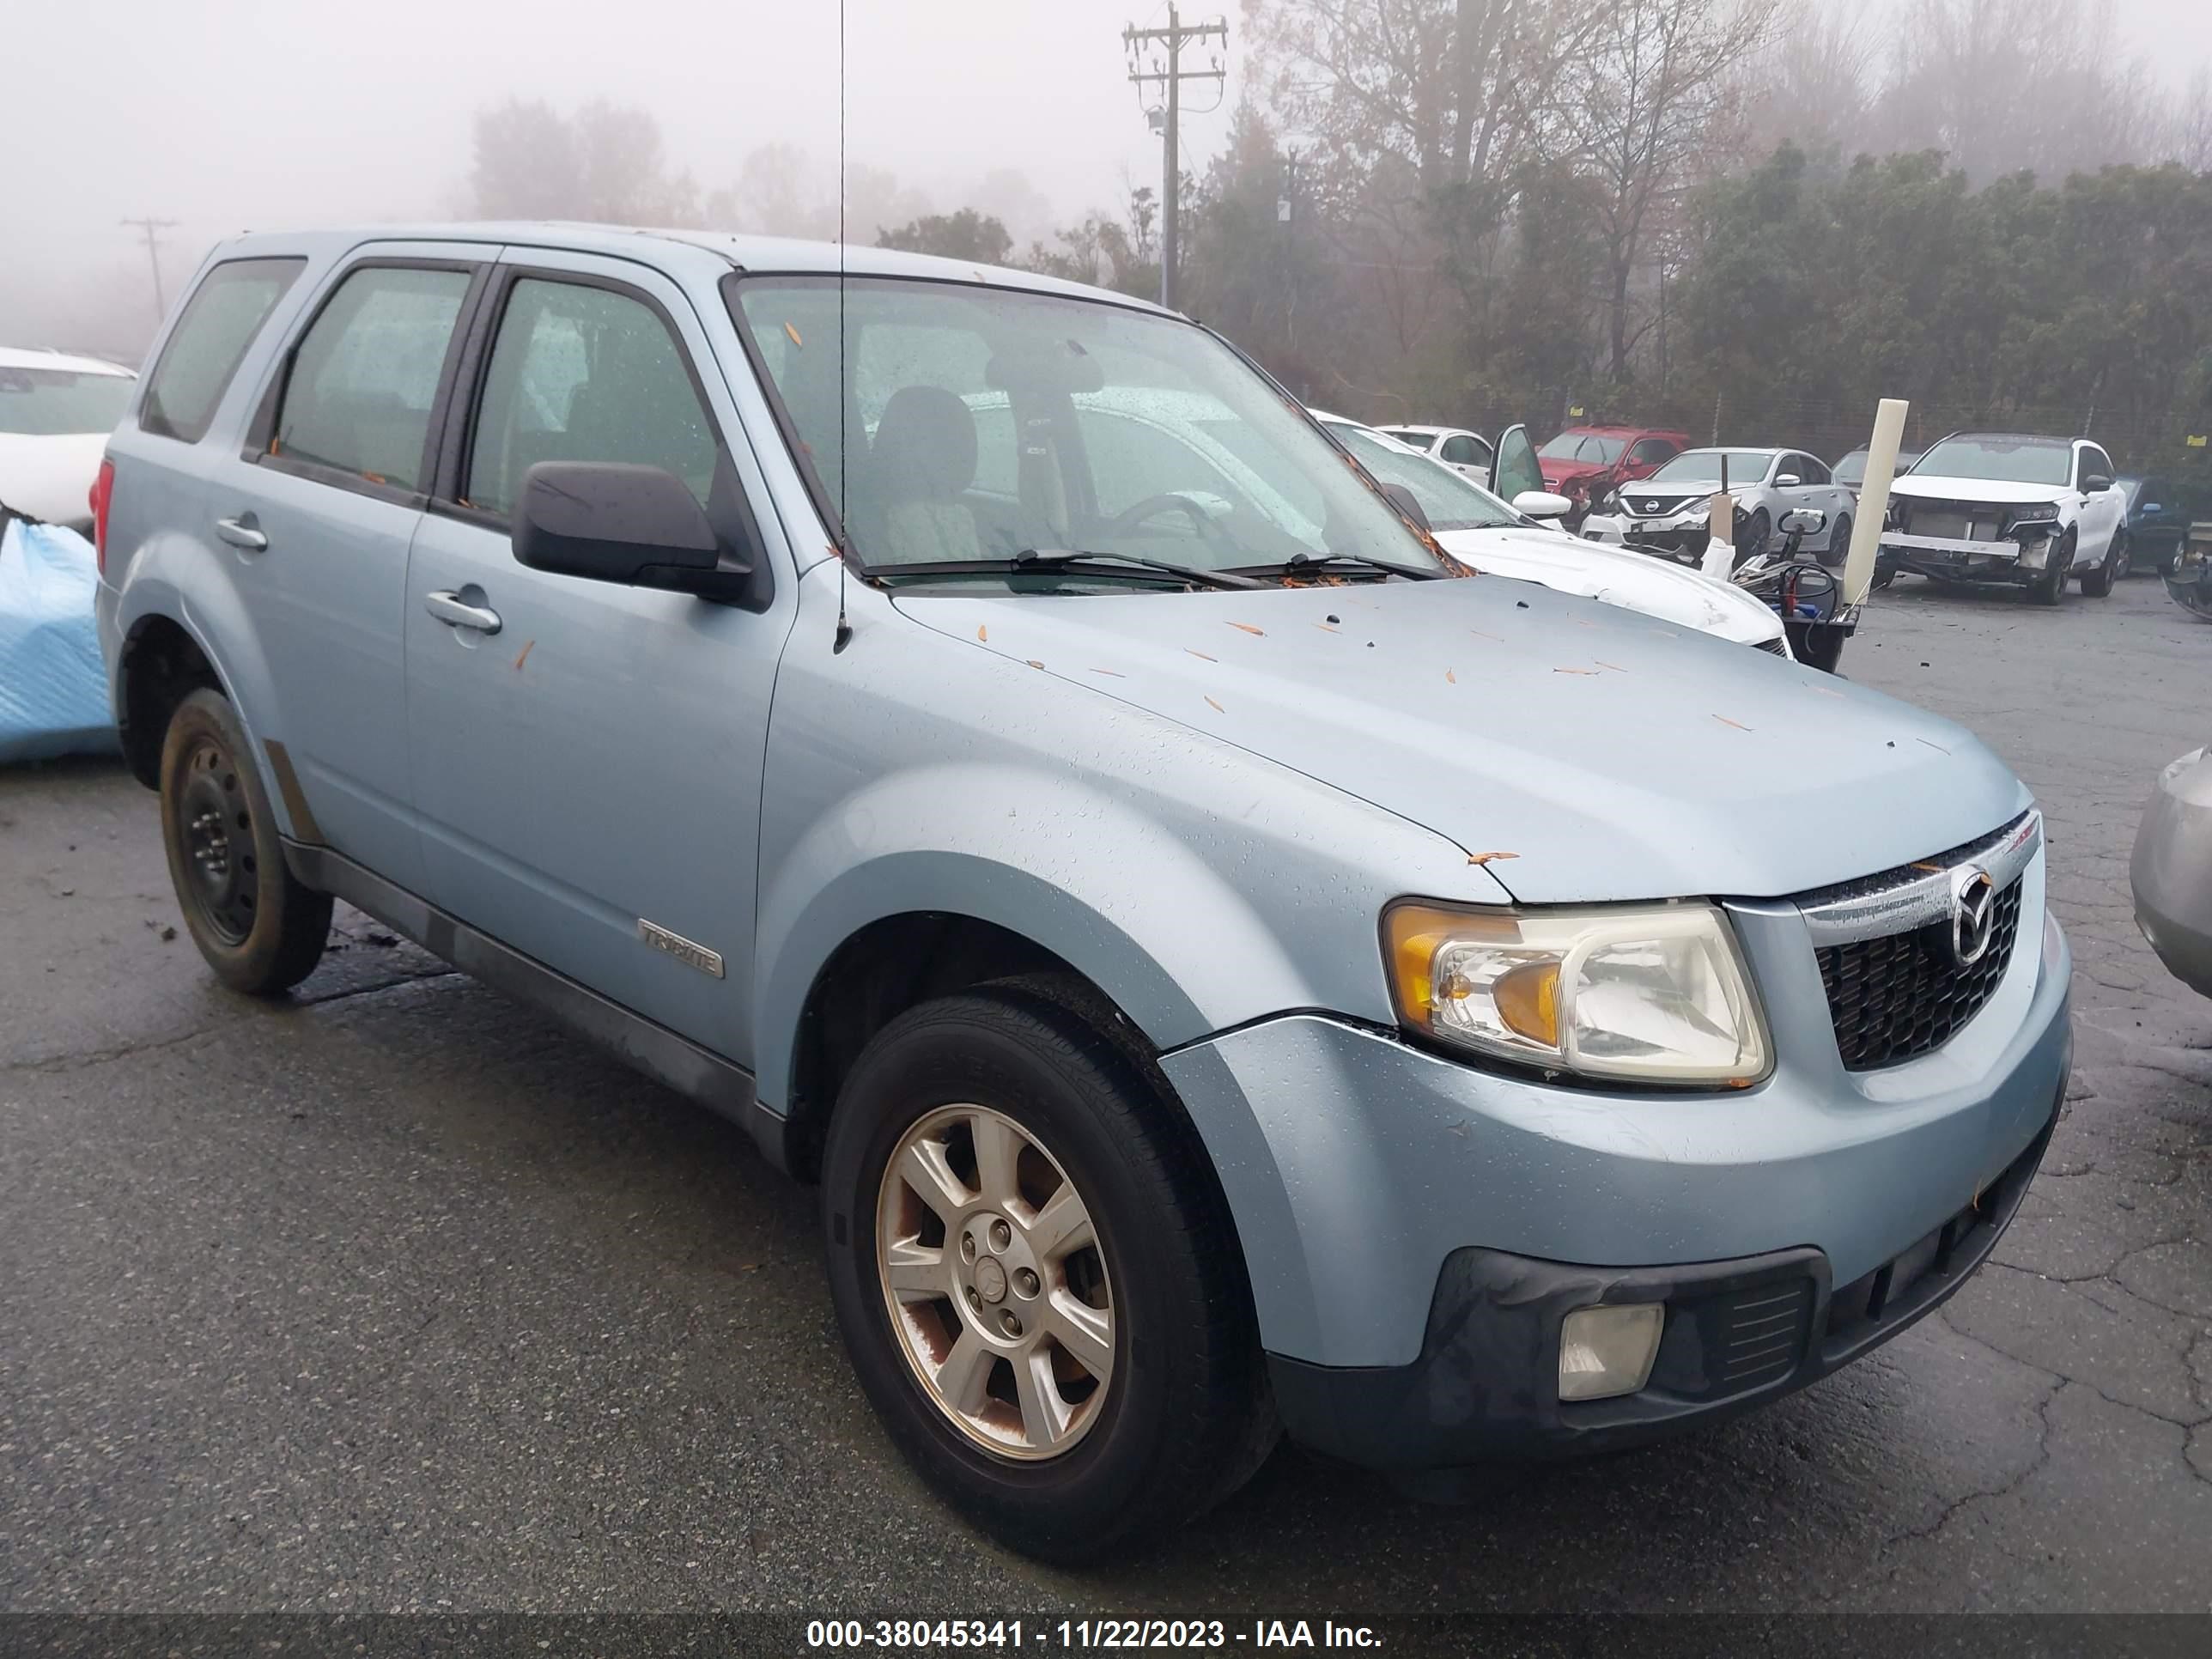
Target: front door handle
{"x": 242, "y": 532}
{"x": 451, "y": 608}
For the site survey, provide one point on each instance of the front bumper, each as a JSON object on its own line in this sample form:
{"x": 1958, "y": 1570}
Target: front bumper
{"x": 1681, "y": 536}
{"x": 2172, "y": 871}
{"x": 1357, "y": 1166}
{"x": 1736, "y": 1334}
{"x": 2005, "y": 560}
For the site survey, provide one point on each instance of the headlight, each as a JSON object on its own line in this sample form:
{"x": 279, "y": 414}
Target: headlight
{"x": 2033, "y": 513}
{"x": 1654, "y": 993}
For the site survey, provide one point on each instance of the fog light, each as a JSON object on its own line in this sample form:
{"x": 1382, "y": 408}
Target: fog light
{"x": 1605, "y": 1351}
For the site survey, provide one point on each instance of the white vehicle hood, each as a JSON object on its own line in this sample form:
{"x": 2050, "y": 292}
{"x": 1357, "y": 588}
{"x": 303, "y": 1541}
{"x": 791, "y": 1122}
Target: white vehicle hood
{"x": 1995, "y": 492}
{"x": 1635, "y": 581}
{"x": 49, "y": 477}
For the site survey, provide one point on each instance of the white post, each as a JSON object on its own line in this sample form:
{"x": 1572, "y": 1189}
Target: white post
{"x": 1720, "y": 537}
{"x": 1874, "y": 498}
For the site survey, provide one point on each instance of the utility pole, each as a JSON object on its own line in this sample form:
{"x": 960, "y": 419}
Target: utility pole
{"x": 147, "y": 228}
{"x": 1173, "y": 38}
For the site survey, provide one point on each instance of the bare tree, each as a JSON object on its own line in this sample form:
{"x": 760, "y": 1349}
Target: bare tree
{"x": 603, "y": 163}
{"x": 1658, "y": 103}
{"x": 2189, "y": 129}
{"x": 1813, "y": 86}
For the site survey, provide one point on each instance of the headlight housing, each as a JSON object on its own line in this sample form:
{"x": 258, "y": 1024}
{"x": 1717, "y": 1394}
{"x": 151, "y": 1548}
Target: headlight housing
{"x": 2033, "y": 513}
{"x": 1651, "y": 994}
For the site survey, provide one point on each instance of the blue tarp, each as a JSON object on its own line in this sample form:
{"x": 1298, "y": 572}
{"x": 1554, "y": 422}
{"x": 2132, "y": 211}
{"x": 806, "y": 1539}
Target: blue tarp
{"x": 53, "y": 689}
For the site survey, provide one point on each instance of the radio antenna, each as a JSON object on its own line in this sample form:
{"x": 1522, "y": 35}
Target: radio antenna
{"x": 844, "y": 635}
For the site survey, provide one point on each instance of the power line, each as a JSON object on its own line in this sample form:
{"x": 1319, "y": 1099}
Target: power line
{"x": 1176, "y": 35}
{"x": 147, "y": 228}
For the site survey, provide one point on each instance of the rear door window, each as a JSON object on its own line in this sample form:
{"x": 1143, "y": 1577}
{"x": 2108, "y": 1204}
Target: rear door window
{"x": 365, "y": 375}
{"x": 1459, "y": 449}
{"x": 204, "y": 349}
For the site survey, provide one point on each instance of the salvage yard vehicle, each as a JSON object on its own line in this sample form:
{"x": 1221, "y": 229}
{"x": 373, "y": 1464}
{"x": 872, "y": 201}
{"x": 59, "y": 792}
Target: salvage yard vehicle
{"x": 1670, "y": 512}
{"x": 2189, "y": 577}
{"x": 56, "y": 412}
{"x": 1474, "y": 526}
{"x": 2157, "y": 524}
{"x": 1983, "y": 506}
{"x": 1224, "y": 977}
{"x": 1585, "y": 463}
{"x": 1463, "y": 451}
{"x": 1850, "y": 470}
{"x": 2169, "y": 871}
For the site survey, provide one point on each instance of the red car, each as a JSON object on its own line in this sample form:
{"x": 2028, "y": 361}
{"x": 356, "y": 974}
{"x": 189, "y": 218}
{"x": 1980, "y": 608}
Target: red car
{"x": 1585, "y": 462}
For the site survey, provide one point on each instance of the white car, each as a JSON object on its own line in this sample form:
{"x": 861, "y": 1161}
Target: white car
{"x": 1983, "y": 506}
{"x": 1669, "y": 511}
{"x": 1463, "y": 451}
{"x": 55, "y": 412}
{"x": 1475, "y": 525}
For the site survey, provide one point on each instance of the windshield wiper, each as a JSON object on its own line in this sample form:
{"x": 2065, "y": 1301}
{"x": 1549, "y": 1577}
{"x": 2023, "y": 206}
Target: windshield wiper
{"x": 1045, "y": 560}
{"x": 1300, "y": 564}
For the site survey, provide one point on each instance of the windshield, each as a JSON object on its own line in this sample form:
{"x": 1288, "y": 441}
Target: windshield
{"x": 1703, "y": 466}
{"x": 1999, "y": 460}
{"x": 1852, "y": 468}
{"x": 1448, "y": 499}
{"x": 1583, "y": 446}
{"x": 959, "y": 423}
{"x": 48, "y": 402}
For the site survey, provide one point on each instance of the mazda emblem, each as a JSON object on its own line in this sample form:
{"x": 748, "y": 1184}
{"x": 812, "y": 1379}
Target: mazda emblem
{"x": 1974, "y": 911}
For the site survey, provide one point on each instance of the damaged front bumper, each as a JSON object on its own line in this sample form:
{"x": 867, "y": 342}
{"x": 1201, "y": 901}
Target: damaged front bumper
{"x": 2019, "y": 556}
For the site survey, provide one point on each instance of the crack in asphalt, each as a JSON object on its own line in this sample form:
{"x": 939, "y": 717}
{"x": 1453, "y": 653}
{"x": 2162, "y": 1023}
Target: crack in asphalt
{"x": 86, "y": 1059}
{"x": 2041, "y": 1459}
{"x": 2187, "y": 1425}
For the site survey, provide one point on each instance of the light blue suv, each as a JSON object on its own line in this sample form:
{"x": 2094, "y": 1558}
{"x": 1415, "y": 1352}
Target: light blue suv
{"x": 1229, "y": 969}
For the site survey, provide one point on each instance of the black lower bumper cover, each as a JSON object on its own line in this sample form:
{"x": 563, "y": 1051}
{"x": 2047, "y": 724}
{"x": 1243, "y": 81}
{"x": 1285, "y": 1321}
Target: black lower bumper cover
{"x": 1737, "y": 1335}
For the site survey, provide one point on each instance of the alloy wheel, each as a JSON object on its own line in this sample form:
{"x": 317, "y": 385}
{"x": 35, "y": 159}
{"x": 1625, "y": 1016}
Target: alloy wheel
{"x": 994, "y": 1282}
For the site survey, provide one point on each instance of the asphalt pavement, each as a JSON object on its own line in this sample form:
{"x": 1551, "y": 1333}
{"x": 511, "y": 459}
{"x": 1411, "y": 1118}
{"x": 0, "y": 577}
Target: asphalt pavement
{"x": 396, "y": 1297}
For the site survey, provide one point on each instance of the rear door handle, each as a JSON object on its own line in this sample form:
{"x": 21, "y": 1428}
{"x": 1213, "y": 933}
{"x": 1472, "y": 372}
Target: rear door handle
{"x": 450, "y": 608}
{"x": 242, "y": 532}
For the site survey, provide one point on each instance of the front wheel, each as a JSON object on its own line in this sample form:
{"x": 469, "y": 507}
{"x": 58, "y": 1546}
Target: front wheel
{"x": 2049, "y": 585}
{"x": 2113, "y": 568}
{"x": 1751, "y": 541}
{"x": 1036, "y": 1274}
{"x": 261, "y": 930}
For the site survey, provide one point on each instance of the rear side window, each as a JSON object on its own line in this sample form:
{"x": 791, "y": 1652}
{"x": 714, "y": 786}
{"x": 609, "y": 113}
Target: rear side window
{"x": 583, "y": 373}
{"x": 219, "y": 322}
{"x": 1460, "y": 451}
{"x": 365, "y": 374}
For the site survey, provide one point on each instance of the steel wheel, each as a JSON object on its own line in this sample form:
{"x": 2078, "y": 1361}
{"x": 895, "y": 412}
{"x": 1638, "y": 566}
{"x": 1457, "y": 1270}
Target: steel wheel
{"x": 994, "y": 1282}
{"x": 216, "y": 821}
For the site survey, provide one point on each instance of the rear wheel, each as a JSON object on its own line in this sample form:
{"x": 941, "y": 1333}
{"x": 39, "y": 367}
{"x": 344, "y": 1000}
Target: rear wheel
{"x": 1036, "y": 1273}
{"x": 260, "y": 930}
{"x": 1839, "y": 543}
{"x": 2049, "y": 585}
{"x": 2098, "y": 583}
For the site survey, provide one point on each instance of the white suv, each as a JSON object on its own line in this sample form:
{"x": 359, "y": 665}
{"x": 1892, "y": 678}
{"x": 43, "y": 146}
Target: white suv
{"x": 1997, "y": 507}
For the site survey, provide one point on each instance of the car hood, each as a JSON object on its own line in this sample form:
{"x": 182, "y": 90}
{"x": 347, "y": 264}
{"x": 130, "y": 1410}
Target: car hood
{"x": 1571, "y": 565}
{"x": 48, "y": 476}
{"x": 1996, "y": 491}
{"x": 1612, "y": 756}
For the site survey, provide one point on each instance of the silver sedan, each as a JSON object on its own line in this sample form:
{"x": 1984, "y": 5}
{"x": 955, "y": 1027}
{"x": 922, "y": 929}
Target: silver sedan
{"x": 2172, "y": 871}
{"x": 1667, "y": 513}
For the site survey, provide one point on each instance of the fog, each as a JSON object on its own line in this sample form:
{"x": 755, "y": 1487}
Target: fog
{"x": 232, "y": 114}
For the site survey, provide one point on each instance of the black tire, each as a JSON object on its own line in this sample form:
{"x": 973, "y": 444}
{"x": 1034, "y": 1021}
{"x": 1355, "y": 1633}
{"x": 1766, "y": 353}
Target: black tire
{"x": 1839, "y": 543}
{"x": 2049, "y": 585}
{"x": 1177, "y": 1430}
{"x": 2113, "y": 568}
{"x": 1882, "y": 577}
{"x": 260, "y": 929}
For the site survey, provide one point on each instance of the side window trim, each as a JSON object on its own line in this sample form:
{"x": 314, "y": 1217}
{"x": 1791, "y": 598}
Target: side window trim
{"x": 262, "y": 432}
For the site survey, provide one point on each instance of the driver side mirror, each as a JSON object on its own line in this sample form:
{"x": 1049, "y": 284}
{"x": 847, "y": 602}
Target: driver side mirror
{"x": 1542, "y": 504}
{"x": 2095, "y": 482}
{"x": 1788, "y": 481}
{"x": 639, "y": 526}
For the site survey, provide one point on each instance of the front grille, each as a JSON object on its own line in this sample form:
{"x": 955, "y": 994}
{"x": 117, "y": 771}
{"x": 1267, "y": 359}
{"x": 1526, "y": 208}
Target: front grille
{"x": 1900, "y": 996}
{"x": 1775, "y": 646}
{"x": 1762, "y": 1334}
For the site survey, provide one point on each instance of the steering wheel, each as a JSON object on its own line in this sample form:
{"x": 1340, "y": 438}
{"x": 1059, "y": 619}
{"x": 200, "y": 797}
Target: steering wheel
{"x": 1153, "y": 506}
